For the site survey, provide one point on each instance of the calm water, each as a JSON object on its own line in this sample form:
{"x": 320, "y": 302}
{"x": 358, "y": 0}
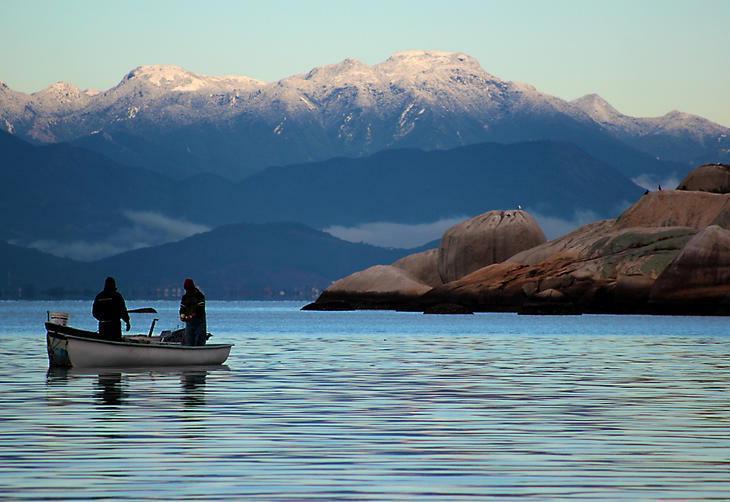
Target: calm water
{"x": 376, "y": 405}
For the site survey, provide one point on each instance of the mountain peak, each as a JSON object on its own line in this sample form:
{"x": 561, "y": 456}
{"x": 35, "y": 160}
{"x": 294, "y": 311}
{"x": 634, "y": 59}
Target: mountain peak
{"x": 596, "y": 107}
{"x": 673, "y": 123}
{"x": 62, "y": 93}
{"x": 178, "y": 79}
{"x": 433, "y": 66}
{"x": 347, "y": 66}
{"x": 676, "y": 114}
{"x": 60, "y": 88}
{"x": 594, "y": 100}
{"x": 425, "y": 60}
{"x": 156, "y": 74}
{"x": 677, "y": 120}
{"x": 426, "y": 54}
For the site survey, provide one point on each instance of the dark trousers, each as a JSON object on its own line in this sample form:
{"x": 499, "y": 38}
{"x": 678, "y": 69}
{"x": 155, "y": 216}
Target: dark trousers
{"x": 194, "y": 332}
{"x": 111, "y": 330}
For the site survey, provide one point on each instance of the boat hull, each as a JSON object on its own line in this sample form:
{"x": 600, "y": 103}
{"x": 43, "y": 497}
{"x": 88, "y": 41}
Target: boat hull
{"x": 72, "y": 348}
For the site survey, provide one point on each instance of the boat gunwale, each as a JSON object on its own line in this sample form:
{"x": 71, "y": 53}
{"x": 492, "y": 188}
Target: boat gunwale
{"x": 94, "y": 337}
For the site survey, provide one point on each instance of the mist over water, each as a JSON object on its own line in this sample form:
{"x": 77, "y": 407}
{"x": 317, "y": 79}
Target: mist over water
{"x": 379, "y": 405}
{"x": 398, "y": 235}
{"x": 143, "y": 229}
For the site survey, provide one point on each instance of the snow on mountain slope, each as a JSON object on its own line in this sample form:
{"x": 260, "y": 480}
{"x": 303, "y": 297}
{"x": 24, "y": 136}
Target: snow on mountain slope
{"x": 424, "y": 99}
{"x": 410, "y": 92}
{"x": 157, "y": 93}
{"x": 674, "y": 122}
{"x": 447, "y": 82}
{"x": 60, "y": 95}
{"x": 601, "y": 111}
{"x": 676, "y": 135}
{"x": 176, "y": 79}
{"x": 12, "y": 104}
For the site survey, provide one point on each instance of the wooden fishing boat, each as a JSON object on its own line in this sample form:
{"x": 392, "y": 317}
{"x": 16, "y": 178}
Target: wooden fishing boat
{"x": 74, "y": 348}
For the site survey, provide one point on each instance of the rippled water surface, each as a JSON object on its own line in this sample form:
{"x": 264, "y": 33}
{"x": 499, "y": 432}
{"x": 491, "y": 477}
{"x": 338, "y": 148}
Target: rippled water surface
{"x": 376, "y": 405}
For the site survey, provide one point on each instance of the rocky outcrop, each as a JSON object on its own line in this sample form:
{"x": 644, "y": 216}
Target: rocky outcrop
{"x": 677, "y": 208}
{"x": 380, "y": 286}
{"x": 480, "y": 241}
{"x": 486, "y": 239}
{"x": 668, "y": 253}
{"x": 699, "y": 274}
{"x": 569, "y": 245}
{"x": 423, "y": 267}
{"x": 714, "y": 178}
{"x": 595, "y": 270}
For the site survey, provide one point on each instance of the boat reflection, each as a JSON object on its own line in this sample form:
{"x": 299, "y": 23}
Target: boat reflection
{"x": 109, "y": 390}
{"x": 193, "y": 386}
{"x": 115, "y": 387}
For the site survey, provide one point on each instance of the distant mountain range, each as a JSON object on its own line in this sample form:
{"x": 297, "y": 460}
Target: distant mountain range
{"x": 171, "y": 173}
{"x": 72, "y": 202}
{"x": 675, "y": 136}
{"x": 179, "y": 123}
{"x": 415, "y": 186}
{"x": 282, "y": 261}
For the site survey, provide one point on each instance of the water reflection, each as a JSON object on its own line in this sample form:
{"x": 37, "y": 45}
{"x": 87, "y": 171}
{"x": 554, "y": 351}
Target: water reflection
{"x": 115, "y": 387}
{"x": 372, "y": 405}
{"x": 193, "y": 385}
{"x": 109, "y": 390}
{"x": 56, "y": 376}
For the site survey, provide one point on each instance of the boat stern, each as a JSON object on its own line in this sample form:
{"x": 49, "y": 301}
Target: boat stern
{"x": 57, "y": 346}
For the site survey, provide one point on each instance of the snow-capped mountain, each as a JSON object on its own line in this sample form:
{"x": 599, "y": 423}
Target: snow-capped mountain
{"x": 168, "y": 96}
{"x": 673, "y": 122}
{"x": 675, "y": 135}
{"x": 176, "y": 121}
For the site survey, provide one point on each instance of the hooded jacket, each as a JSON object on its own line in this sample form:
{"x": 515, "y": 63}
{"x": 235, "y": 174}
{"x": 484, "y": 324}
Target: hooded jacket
{"x": 109, "y": 304}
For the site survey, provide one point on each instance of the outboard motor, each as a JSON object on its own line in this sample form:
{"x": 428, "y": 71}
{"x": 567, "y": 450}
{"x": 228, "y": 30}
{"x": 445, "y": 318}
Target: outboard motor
{"x": 60, "y": 318}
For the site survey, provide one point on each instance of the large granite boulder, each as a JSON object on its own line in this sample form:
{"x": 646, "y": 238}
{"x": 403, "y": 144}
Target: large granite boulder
{"x": 423, "y": 266}
{"x": 598, "y": 268}
{"x": 700, "y": 274}
{"x": 380, "y": 286}
{"x": 713, "y": 178}
{"x": 489, "y": 238}
{"x": 677, "y": 208}
{"x": 572, "y": 244}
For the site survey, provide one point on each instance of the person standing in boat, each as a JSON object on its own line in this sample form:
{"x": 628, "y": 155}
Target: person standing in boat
{"x": 192, "y": 312}
{"x": 109, "y": 309}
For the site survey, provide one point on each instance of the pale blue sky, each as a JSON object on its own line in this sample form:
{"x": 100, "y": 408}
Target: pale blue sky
{"x": 646, "y": 57}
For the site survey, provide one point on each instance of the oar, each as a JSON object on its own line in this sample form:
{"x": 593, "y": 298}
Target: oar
{"x": 143, "y": 310}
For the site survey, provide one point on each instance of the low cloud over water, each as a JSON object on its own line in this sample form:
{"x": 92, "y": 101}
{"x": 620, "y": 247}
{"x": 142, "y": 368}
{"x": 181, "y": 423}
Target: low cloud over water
{"x": 397, "y": 235}
{"x": 145, "y": 229}
{"x": 403, "y": 235}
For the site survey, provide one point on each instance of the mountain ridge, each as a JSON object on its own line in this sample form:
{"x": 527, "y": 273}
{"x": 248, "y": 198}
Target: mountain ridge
{"x": 645, "y": 132}
{"x": 235, "y": 126}
{"x": 67, "y": 200}
{"x": 252, "y": 261}
{"x": 73, "y": 202}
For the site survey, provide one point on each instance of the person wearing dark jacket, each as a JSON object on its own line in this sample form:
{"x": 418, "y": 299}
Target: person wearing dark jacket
{"x": 192, "y": 312}
{"x": 109, "y": 308}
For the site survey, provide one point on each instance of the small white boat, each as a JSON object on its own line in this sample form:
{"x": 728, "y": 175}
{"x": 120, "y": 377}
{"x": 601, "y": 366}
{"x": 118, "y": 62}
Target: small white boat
{"x": 74, "y": 348}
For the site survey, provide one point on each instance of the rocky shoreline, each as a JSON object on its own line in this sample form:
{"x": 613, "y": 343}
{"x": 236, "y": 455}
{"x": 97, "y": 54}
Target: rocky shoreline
{"x": 669, "y": 253}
